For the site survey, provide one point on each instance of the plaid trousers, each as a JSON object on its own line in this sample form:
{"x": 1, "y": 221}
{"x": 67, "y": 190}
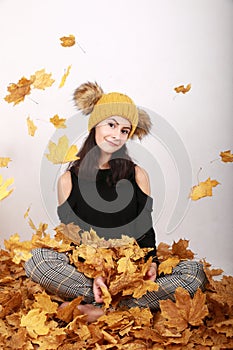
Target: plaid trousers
{"x": 53, "y": 271}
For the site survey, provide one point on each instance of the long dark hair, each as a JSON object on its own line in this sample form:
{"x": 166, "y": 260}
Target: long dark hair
{"x": 121, "y": 164}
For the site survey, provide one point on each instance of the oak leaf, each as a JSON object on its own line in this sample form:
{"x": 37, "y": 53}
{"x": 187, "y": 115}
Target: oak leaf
{"x": 4, "y": 191}
{"x": 62, "y": 152}
{"x": 31, "y": 127}
{"x": 182, "y": 89}
{"x": 67, "y": 41}
{"x": 4, "y": 161}
{"x": 203, "y": 189}
{"x": 42, "y": 79}
{"x": 19, "y": 90}
{"x": 227, "y": 156}
{"x": 64, "y": 77}
{"x": 59, "y": 123}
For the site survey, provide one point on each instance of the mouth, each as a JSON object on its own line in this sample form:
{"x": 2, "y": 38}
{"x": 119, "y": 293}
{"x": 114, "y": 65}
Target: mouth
{"x": 113, "y": 144}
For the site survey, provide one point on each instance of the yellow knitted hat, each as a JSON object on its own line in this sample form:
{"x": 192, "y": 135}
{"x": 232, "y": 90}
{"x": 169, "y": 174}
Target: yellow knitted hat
{"x": 112, "y": 104}
{"x": 90, "y": 98}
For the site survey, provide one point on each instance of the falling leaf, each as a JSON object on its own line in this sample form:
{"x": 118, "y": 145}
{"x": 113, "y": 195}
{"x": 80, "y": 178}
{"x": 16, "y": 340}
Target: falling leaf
{"x": 70, "y": 232}
{"x": 42, "y": 79}
{"x": 59, "y": 123}
{"x": 68, "y": 41}
{"x": 20, "y": 90}
{"x": 4, "y": 161}
{"x": 227, "y": 156}
{"x": 204, "y": 189}
{"x": 31, "y": 127}
{"x": 182, "y": 88}
{"x": 62, "y": 152}
{"x": 64, "y": 77}
{"x": 4, "y": 191}
{"x": 27, "y": 212}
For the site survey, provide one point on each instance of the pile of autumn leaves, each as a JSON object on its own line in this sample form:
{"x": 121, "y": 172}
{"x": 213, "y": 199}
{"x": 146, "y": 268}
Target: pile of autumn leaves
{"x": 31, "y": 318}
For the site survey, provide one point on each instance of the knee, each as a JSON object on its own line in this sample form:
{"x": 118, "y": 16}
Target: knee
{"x": 41, "y": 257}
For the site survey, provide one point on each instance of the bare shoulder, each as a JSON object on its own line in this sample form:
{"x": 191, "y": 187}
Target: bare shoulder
{"x": 142, "y": 179}
{"x": 64, "y": 187}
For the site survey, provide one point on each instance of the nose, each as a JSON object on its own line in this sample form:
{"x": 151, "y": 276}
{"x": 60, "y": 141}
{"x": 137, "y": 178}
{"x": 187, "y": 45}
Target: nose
{"x": 116, "y": 132}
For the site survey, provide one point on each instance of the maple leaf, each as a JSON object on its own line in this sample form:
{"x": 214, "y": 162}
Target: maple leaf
{"x": 64, "y": 77}
{"x": 35, "y": 321}
{"x": 180, "y": 249}
{"x": 185, "y": 310}
{"x": 31, "y": 127}
{"x": 19, "y": 91}
{"x": 44, "y": 302}
{"x": 42, "y": 80}
{"x": 67, "y": 41}
{"x": 182, "y": 89}
{"x": 4, "y": 191}
{"x": 70, "y": 232}
{"x": 227, "y": 156}
{"x": 62, "y": 153}
{"x": 4, "y": 161}
{"x": 167, "y": 265}
{"x": 203, "y": 189}
{"x": 59, "y": 123}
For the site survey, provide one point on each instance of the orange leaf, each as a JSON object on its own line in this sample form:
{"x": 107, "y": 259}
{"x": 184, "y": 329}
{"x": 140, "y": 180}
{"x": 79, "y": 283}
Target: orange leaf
{"x": 227, "y": 156}
{"x": 58, "y": 122}
{"x": 203, "y": 189}
{"x": 20, "y": 90}
{"x": 167, "y": 265}
{"x": 68, "y": 41}
{"x": 182, "y": 88}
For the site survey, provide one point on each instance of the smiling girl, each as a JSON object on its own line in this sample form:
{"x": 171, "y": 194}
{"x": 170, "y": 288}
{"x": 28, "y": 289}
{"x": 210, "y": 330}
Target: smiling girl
{"x": 106, "y": 191}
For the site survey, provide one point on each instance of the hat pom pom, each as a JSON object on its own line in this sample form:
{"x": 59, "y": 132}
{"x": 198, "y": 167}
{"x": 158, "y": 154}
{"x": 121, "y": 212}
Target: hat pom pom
{"x": 144, "y": 124}
{"x": 86, "y": 96}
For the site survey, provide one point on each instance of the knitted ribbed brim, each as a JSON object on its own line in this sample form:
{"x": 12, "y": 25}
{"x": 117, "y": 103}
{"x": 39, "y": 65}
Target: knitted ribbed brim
{"x": 112, "y": 104}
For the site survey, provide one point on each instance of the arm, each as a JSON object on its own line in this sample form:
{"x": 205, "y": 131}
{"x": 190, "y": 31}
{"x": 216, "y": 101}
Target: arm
{"x": 148, "y": 239}
{"x": 64, "y": 187}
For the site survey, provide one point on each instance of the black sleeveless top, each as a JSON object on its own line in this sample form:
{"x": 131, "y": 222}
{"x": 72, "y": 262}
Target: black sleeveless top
{"x": 110, "y": 210}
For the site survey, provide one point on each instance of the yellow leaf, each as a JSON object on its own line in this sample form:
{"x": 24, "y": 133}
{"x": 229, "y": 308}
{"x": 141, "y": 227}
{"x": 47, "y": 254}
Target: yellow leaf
{"x": 4, "y": 161}
{"x": 59, "y": 123}
{"x": 182, "y": 88}
{"x": 4, "y": 192}
{"x": 34, "y": 321}
{"x": 31, "y": 127}
{"x": 42, "y": 79}
{"x": 167, "y": 265}
{"x": 65, "y": 75}
{"x": 227, "y": 156}
{"x": 204, "y": 189}
{"x": 68, "y": 41}
{"x": 20, "y": 90}
{"x": 44, "y": 302}
{"x": 62, "y": 153}
{"x": 27, "y": 212}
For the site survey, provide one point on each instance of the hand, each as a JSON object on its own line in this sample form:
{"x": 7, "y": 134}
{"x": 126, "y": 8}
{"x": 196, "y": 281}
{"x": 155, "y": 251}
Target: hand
{"x": 98, "y": 282}
{"x": 152, "y": 272}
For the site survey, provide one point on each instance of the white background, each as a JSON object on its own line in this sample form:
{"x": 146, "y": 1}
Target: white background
{"x": 141, "y": 48}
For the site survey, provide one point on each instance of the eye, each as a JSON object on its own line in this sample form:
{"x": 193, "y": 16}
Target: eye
{"x": 112, "y": 125}
{"x": 125, "y": 131}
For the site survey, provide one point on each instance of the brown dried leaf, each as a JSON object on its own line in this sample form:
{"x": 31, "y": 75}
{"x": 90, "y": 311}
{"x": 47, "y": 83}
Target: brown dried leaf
{"x": 226, "y": 156}
{"x": 182, "y": 89}
{"x": 67, "y": 41}
{"x": 19, "y": 90}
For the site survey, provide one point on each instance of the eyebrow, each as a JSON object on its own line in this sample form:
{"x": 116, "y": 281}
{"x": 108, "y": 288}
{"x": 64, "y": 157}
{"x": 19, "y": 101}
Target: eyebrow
{"x": 125, "y": 127}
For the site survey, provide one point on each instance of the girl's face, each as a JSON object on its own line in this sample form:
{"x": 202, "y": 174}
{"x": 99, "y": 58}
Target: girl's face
{"x": 112, "y": 133}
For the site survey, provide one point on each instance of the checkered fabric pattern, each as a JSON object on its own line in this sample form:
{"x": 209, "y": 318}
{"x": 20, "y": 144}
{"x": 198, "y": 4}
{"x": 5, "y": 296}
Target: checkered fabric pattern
{"x": 53, "y": 271}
